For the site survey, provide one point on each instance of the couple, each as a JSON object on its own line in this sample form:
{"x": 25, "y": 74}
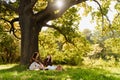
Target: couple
{"x": 36, "y": 63}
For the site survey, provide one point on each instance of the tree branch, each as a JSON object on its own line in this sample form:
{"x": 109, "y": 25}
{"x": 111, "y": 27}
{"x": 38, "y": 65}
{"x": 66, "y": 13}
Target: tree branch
{"x": 60, "y": 31}
{"x": 12, "y": 26}
{"x": 118, "y": 0}
{"x": 78, "y": 1}
{"x": 101, "y": 13}
{"x": 12, "y": 29}
{"x": 8, "y": 6}
{"x": 49, "y": 13}
{"x": 110, "y": 25}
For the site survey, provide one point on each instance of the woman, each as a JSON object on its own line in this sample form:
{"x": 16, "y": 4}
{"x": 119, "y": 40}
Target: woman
{"x": 35, "y": 62}
{"x": 49, "y": 66}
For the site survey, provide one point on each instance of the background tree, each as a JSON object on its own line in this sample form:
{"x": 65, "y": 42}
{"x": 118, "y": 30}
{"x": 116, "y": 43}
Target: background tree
{"x": 8, "y": 47}
{"x": 87, "y": 34}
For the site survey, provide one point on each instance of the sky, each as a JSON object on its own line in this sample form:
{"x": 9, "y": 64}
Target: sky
{"x": 86, "y": 24}
{"x": 10, "y": 1}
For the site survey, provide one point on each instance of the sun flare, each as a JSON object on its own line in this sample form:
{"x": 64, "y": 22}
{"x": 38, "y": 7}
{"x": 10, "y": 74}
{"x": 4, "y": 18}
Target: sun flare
{"x": 59, "y": 3}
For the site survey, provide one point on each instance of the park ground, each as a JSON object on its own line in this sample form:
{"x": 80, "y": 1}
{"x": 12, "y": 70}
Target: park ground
{"x": 18, "y": 72}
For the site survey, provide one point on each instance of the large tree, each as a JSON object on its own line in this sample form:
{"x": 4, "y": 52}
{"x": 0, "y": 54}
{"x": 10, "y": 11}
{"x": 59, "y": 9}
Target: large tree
{"x": 32, "y": 16}
{"x": 31, "y": 21}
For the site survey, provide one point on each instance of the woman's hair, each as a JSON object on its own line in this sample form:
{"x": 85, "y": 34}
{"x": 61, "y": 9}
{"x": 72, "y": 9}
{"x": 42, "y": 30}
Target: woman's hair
{"x": 35, "y": 54}
{"x": 48, "y": 61}
{"x": 49, "y": 56}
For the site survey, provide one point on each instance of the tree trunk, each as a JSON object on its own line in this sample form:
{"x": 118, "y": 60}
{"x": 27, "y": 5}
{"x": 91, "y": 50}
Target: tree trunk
{"x": 29, "y": 39}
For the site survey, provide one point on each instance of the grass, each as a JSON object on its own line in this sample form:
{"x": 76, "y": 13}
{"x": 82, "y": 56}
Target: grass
{"x": 17, "y": 72}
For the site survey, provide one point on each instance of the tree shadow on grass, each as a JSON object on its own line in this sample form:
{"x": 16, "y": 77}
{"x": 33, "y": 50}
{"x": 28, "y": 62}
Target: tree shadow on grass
{"x": 18, "y": 68}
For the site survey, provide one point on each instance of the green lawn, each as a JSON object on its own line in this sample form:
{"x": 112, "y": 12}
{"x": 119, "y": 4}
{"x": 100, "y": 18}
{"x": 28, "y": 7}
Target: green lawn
{"x": 17, "y": 72}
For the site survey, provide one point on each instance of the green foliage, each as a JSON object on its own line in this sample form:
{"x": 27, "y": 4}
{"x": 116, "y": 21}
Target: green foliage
{"x": 115, "y": 25}
{"x": 113, "y": 45}
{"x": 105, "y": 6}
{"x": 86, "y": 8}
{"x": 117, "y": 6}
{"x": 5, "y": 12}
{"x": 40, "y": 5}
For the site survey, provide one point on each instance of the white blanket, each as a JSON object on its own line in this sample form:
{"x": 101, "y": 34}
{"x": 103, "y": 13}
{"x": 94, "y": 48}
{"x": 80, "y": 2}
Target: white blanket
{"x": 34, "y": 66}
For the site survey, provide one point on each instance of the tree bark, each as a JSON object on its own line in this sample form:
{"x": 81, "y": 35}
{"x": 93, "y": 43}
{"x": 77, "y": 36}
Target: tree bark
{"x": 29, "y": 39}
